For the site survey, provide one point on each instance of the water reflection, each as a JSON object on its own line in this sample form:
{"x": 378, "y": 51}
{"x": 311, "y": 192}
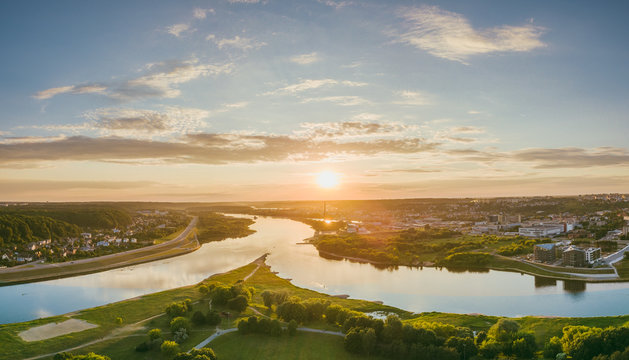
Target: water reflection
{"x": 541, "y": 281}
{"x": 415, "y": 289}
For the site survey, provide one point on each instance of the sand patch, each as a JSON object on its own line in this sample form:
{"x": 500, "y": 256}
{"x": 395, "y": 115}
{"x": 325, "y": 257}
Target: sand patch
{"x": 52, "y": 330}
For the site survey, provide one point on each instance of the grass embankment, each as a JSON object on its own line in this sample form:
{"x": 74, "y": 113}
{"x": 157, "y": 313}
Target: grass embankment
{"x": 623, "y": 268}
{"x": 122, "y": 344}
{"x": 85, "y": 266}
{"x": 557, "y": 272}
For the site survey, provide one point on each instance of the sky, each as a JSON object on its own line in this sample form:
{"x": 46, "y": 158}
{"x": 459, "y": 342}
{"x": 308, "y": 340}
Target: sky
{"x": 238, "y": 100}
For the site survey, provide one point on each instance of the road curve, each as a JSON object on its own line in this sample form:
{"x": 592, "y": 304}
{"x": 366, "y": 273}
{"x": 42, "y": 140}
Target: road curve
{"x": 10, "y": 276}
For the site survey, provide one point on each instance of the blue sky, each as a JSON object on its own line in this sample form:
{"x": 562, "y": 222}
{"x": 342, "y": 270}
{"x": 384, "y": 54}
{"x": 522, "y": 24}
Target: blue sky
{"x": 249, "y": 100}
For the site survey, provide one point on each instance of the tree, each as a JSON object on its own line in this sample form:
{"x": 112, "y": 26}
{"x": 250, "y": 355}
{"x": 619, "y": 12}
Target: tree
{"x": 220, "y": 294}
{"x": 503, "y": 330}
{"x": 369, "y": 341}
{"x": 480, "y": 337}
{"x": 169, "y": 348}
{"x": 524, "y": 345}
{"x": 198, "y": 318}
{"x": 552, "y": 348}
{"x": 180, "y": 322}
{"x": 176, "y": 309}
{"x": 204, "y": 290}
{"x": 353, "y": 342}
{"x": 197, "y": 354}
{"x": 239, "y": 303}
{"x": 155, "y": 334}
{"x": 292, "y": 310}
{"x": 490, "y": 349}
{"x": 464, "y": 346}
{"x": 213, "y": 317}
{"x": 292, "y": 327}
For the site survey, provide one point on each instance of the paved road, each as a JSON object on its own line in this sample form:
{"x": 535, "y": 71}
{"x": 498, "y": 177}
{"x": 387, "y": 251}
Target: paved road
{"x": 66, "y": 268}
{"x": 617, "y": 256}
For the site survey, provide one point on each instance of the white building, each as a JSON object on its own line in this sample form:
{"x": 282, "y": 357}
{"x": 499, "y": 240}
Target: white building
{"x": 541, "y": 230}
{"x": 592, "y": 254}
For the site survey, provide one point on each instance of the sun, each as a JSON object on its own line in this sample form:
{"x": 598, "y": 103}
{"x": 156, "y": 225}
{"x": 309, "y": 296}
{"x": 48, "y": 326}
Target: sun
{"x": 327, "y": 179}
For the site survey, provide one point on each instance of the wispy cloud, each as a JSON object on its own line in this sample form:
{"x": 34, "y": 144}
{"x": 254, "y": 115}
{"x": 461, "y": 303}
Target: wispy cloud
{"x": 310, "y": 84}
{"x": 573, "y": 157}
{"x": 411, "y": 98}
{"x": 450, "y": 35}
{"x": 178, "y": 30}
{"x": 336, "y": 4}
{"x": 346, "y": 100}
{"x": 237, "y": 42}
{"x": 133, "y": 122}
{"x": 71, "y": 89}
{"x": 159, "y": 80}
{"x": 244, "y": 1}
{"x": 306, "y": 59}
{"x": 348, "y": 129}
{"x": 199, "y": 13}
{"x": 205, "y": 148}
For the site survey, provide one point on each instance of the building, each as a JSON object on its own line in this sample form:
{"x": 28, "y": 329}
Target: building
{"x": 592, "y": 254}
{"x": 541, "y": 230}
{"x": 544, "y": 252}
{"x": 573, "y": 256}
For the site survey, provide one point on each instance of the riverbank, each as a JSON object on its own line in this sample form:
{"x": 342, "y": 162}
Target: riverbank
{"x": 146, "y": 312}
{"x": 184, "y": 243}
{"x": 503, "y": 263}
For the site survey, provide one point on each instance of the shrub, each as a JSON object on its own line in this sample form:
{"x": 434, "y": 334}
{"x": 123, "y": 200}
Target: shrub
{"x": 198, "y": 318}
{"x": 180, "y": 335}
{"x": 180, "y": 323}
{"x": 292, "y": 328}
{"x": 169, "y": 348}
{"x": 213, "y": 317}
{"x": 155, "y": 334}
{"x": 239, "y": 303}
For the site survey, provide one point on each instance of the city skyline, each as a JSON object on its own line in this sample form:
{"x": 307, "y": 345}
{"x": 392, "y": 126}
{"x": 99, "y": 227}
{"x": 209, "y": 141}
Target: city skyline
{"x": 250, "y": 100}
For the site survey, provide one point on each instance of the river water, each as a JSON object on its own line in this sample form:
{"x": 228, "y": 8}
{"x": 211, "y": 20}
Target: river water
{"x": 427, "y": 289}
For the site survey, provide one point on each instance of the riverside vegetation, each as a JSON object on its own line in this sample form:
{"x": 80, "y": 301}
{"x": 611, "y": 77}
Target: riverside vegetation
{"x": 271, "y": 311}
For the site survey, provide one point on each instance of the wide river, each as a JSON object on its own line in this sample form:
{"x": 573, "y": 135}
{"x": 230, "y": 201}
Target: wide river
{"x": 428, "y": 289}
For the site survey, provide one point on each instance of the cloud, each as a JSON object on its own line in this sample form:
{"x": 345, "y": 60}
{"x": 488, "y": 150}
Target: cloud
{"x": 311, "y": 84}
{"x": 178, "y": 29}
{"x": 134, "y": 122}
{"x": 366, "y": 117}
{"x": 306, "y": 59}
{"x": 348, "y": 100}
{"x": 450, "y": 36}
{"x": 467, "y": 130}
{"x": 160, "y": 80}
{"x": 244, "y": 1}
{"x": 411, "y": 98}
{"x": 353, "y": 129}
{"x": 573, "y": 157}
{"x": 236, "y": 42}
{"x": 336, "y": 4}
{"x": 409, "y": 170}
{"x": 206, "y": 148}
{"x": 71, "y": 89}
{"x": 163, "y": 78}
{"x": 199, "y": 13}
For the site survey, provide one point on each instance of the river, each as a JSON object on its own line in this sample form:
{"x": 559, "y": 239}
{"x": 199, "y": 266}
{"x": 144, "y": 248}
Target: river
{"x": 428, "y": 289}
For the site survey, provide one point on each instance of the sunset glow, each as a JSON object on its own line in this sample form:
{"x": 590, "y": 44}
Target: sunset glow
{"x": 328, "y": 179}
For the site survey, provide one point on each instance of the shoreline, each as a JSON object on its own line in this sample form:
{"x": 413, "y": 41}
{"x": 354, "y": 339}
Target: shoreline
{"x": 558, "y": 276}
{"x": 172, "y": 248}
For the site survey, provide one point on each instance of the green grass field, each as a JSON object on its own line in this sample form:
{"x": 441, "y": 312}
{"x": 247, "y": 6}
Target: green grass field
{"x": 623, "y": 268}
{"x": 303, "y": 346}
